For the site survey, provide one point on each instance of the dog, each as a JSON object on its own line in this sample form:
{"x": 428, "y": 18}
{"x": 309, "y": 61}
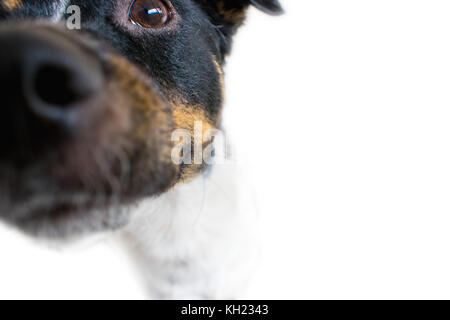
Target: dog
{"x": 87, "y": 121}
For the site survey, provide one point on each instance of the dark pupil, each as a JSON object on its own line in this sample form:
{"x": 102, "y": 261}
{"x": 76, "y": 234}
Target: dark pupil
{"x": 148, "y": 12}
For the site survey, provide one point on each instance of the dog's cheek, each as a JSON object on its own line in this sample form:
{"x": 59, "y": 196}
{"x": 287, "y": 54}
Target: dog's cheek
{"x": 148, "y": 139}
{"x": 196, "y": 122}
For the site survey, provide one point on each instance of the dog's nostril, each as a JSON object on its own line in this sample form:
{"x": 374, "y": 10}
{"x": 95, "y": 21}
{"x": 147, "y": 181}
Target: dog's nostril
{"x": 55, "y": 85}
{"x": 58, "y": 83}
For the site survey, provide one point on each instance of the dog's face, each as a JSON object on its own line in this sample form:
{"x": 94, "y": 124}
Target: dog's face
{"x": 86, "y": 116}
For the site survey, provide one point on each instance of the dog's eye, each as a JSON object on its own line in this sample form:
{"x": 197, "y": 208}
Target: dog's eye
{"x": 150, "y": 13}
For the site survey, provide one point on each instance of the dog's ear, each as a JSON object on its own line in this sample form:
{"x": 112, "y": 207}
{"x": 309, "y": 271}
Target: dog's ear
{"x": 228, "y": 15}
{"x": 272, "y": 7}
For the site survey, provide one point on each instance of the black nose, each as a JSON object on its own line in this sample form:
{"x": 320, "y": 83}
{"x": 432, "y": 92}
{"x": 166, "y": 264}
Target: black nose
{"x": 46, "y": 79}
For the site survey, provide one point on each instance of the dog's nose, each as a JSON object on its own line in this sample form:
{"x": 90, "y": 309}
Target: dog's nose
{"x": 46, "y": 79}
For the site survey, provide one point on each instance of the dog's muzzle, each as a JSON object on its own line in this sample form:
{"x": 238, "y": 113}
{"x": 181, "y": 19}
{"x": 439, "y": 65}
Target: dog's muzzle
{"x": 82, "y": 130}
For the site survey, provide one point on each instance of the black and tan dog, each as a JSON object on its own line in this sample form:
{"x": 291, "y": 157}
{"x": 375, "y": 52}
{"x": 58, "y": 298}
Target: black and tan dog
{"x": 87, "y": 117}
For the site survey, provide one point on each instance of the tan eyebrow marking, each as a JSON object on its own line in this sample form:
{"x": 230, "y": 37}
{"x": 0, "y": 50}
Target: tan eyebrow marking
{"x": 221, "y": 79}
{"x": 12, "y": 4}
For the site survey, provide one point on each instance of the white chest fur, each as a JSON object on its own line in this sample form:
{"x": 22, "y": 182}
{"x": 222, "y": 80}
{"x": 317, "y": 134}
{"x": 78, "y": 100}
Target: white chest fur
{"x": 198, "y": 240}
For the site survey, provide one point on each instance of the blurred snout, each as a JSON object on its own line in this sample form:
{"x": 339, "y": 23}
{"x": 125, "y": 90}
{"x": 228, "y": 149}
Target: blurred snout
{"x": 46, "y": 81}
{"x": 81, "y": 129}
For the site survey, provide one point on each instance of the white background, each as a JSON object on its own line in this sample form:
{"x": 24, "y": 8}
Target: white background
{"x": 342, "y": 109}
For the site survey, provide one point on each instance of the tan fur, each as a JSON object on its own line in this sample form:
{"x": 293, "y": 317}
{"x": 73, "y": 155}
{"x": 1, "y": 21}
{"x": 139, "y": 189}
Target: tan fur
{"x": 185, "y": 117}
{"x": 12, "y": 4}
{"x": 231, "y": 16}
